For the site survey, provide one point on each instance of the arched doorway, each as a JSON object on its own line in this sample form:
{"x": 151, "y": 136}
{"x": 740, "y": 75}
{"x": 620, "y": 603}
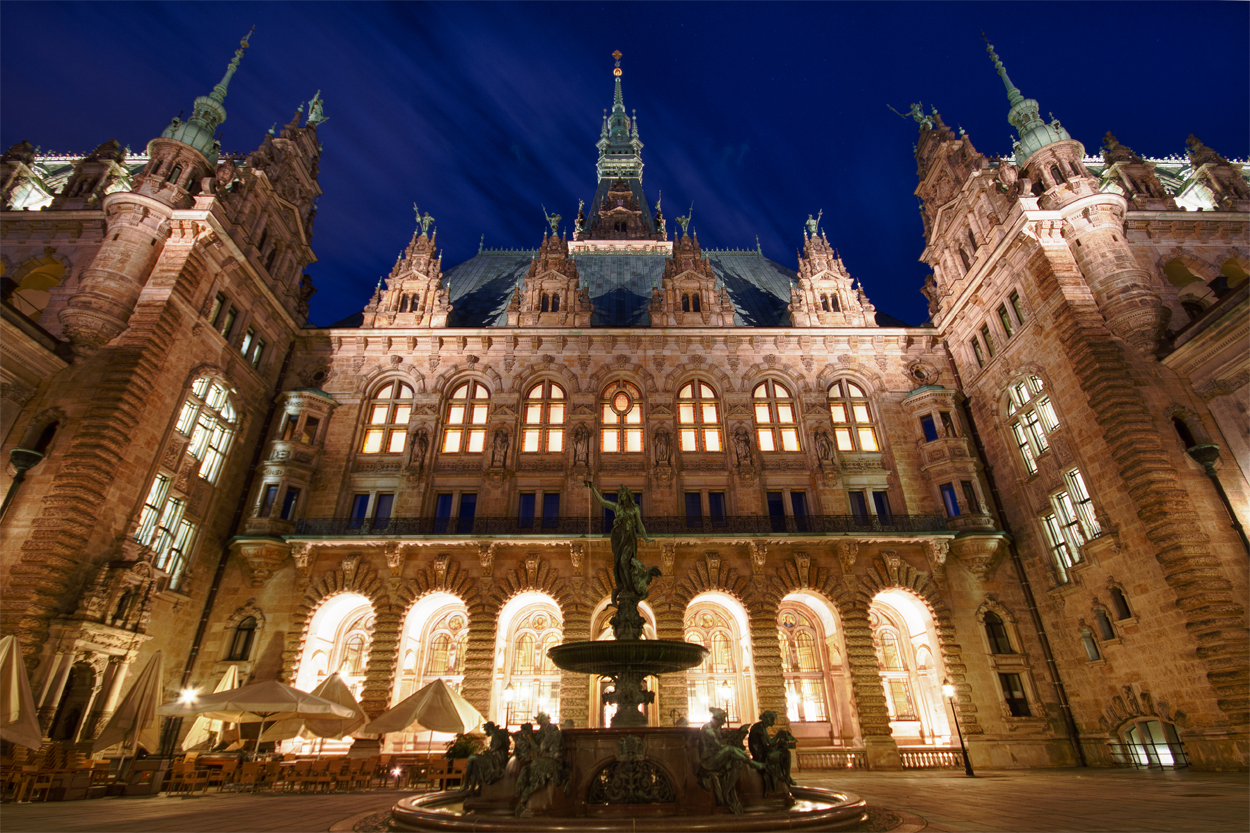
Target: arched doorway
{"x": 819, "y": 703}
{"x": 601, "y": 712}
{"x": 432, "y": 647}
{"x": 905, "y": 639}
{"x": 339, "y": 638}
{"x": 75, "y": 700}
{"x": 526, "y": 680}
{"x": 725, "y": 678}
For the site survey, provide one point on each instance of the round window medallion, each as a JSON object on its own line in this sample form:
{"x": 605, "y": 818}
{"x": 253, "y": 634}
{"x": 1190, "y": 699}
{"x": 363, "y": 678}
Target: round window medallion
{"x": 622, "y": 402}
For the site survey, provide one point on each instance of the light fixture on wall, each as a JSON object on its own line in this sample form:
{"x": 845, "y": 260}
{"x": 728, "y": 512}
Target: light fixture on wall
{"x": 508, "y": 693}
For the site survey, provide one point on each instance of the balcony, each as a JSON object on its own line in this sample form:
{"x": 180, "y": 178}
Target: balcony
{"x": 658, "y": 526}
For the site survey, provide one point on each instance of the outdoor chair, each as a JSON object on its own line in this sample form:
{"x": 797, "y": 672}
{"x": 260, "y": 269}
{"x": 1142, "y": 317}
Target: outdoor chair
{"x": 271, "y": 774}
{"x": 177, "y": 777}
{"x": 196, "y": 779}
{"x": 222, "y": 777}
{"x": 455, "y": 774}
{"x": 249, "y": 775}
{"x": 42, "y": 783}
{"x": 319, "y": 775}
{"x": 298, "y": 775}
{"x": 341, "y": 773}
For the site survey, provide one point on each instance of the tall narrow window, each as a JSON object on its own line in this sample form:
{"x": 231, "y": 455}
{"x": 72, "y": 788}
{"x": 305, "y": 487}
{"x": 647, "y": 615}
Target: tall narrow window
{"x": 543, "y": 429}
{"x": 1083, "y": 504}
{"x": 976, "y": 352}
{"x": 241, "y": 643}
{"x": 989, "y": 342}
{"x": 1013, "y": 695}
{"x": 777, "y": 510}
{"x": 929, "y": 427}
{"x": 716, "y": 507}
{"x": 1120, "y": 604}
{"x": 859, "y": 506}
{"x": 208, "y": 416}
{"x": 698, "y": 414}
{"x": 802, "y": 641}
{"x": 853, "y": 428}
{"x": 1014, "y": 300}
{"x": 525, "y": 510}
{"x": 776, "y": 417}
{"x": 467, "y": 409}
{"x": 881, "y": 500}
{"x": 694, "y": 509}
{"x": 1004, "y": 320}
{"x": 388, "y": 414}
{"x": 970, "y": 496}
{"x": 468, "y": 511}
{"x": 950, "y": 500}
{"x": 289, "y": 501}
{"x": 620, "y": 408}
{"x": 1033, "y": 417}
{"x": 996, "y": 632}
{"x": 268, "y": 498}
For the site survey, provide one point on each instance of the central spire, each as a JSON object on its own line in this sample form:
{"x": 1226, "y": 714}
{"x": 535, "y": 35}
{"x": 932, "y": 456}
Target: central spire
{"x": 1035, "y": 134}
{"x": 620, "y": 149}
{"x": 618, "y": 100}
{"x": 208, "y": 112}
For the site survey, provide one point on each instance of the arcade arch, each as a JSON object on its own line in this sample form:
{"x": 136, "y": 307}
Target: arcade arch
{"x": 339, "y": 638}
{"x": 904, "y": 637}
{"x": 726, "y": 678}
{"x": 432, "y": 647}
{"x": 819, "y": 701}
{"x": 525, "y": 680}
{"x": 601, "y": 713}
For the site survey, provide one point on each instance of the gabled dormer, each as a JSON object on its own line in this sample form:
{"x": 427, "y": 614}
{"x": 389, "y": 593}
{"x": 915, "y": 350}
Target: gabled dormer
{"x": 551, "y": 294}
{"x": 414, "y": 295}
{"x": 688, "y": 295}
{"x": 1224, "y": 181}
{"x": 98, "y": 173}
{"x": 826, "y": 295}
{"x": 1133, "y": 177}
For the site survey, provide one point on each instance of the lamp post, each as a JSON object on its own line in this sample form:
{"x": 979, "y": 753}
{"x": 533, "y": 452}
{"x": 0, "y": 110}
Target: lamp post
{"x": 725, "y": 691}
{"x": 508, "y": 693}
{"x": 948, "y": 691}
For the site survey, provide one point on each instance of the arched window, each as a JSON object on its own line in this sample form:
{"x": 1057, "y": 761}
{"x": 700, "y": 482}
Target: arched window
{"x": 208, "y": 418}
{"x": 241, "y": 643}
{"x": 338, "y": 639}
{"x": 996, "y": 632}
{"x": 1033, "y": 417}
{"x": 545, "y": 407}
{"x": 532, "y": 679}
{"x": 1105, "y": 631}
{"x": 897, "y": 676}
{"x": 776, "y": 422}
{"x": 353, "y": 655}
{"x": 694, "y": 302}
{"x": 824, "y": 302}
{"x": 1091, "y": 647}
{"x": 718, "y": 680}
{"x": 555, "y": 302}
{"x": 852, "y": 417}
{"x": 621, "y": 425}
{"x": 1120, "y": 604}
{"x": 802, "y": 664}
{"x": 388, "y": 414}
{"x": 698, "y": 414}
{"x": 467, "y": 408}
{"x": 434, "y": 639}
{"x": 685, "y": 303}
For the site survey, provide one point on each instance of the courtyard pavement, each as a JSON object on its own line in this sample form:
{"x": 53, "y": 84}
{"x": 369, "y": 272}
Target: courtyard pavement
{"x": 1003, "y": 801}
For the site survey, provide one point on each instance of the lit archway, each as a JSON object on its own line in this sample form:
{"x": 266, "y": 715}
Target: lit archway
{"x": 819, "y": 701}
{"x": 339, "y": 638}
{"x": 601, "y": 713}
{"x": 905, "y": 639}
{"x": 431, "y": 647}
{"x": 526, "y": 681}
{"x": 726, "y": 678}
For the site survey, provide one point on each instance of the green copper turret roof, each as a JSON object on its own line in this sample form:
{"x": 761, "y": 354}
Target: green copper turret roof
{"x": 208, "y": 112}
{"x": 1035, "y": 134}
{"x": 620, "y": 149}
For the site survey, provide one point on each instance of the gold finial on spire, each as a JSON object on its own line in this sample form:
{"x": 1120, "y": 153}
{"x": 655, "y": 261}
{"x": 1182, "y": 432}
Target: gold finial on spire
{"x": 617, "y": 54}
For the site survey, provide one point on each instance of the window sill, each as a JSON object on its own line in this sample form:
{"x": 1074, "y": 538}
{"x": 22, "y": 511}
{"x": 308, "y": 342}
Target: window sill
{"x": 1113, "y": 641}
{"x": 1096, "y": 662}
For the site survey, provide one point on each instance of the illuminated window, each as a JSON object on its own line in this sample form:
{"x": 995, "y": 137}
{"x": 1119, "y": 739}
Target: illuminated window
{"x": 776, "y": 417}
{"x": 545, "y": 411}
{"x": 1033, "y": 417}
{"x": 698, "y": 415}
{"x": 532, "y": 677}
{"x": 466, "y": 419}
{"x": 802, "y": 664}
{"x": 621, "y": 418}
{"x": 387, "y": 419}
{"x": 209, "y": 418}
{"x": 852, "y": 417}
{"x": 1071, "y": 523}
{"x": 715, "y": 682}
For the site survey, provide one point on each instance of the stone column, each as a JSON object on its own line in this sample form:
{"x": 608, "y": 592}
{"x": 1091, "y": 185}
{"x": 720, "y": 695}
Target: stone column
{"x": 770, "y": 684}
{"x": 866, "y": 688}
{"x": 54, "y": 688}
{"x": 479, "y": 656}
{"x": 375, "y": 697}
{"x": 575, "y": 702}
{"x": 673, "y": 694}
{"x": 117, "y": 668}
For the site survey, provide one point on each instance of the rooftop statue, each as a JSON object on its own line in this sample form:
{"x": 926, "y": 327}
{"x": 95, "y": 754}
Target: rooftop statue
{"x": 917, "y": 113}
{"x": 813, "y": 226}
{"x": 424, "y": 220}
{"x": 553, "y": 220}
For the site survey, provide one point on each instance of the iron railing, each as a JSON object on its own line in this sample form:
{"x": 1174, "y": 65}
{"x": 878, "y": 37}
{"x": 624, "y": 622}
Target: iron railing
{"x": 658, "y": 525}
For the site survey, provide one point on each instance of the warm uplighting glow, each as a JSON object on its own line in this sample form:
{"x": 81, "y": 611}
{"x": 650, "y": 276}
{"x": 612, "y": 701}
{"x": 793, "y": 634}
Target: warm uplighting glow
{"x": 508, "y": 693}
{"x": 948, "y": 690}
{"x": 188, "y": 695}
{"x": 725, "y": 691}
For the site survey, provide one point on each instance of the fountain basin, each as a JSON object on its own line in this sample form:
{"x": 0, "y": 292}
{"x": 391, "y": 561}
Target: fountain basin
{"x": 609, "y": 657}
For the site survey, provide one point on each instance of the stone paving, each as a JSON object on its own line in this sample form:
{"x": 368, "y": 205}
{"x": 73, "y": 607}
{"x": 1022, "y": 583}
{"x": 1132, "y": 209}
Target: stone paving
{"x": 1033, "y": 801}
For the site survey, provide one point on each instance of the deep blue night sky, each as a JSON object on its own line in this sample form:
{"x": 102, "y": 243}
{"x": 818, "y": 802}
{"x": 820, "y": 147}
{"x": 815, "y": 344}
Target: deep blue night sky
{"x": 758, "y": 114}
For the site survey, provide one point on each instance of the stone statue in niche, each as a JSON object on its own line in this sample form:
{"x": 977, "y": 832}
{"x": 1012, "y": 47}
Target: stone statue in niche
{"x": 543, "y": 761}
{"x": 420, "y": 447}
{"x": 721, "y": 759}
{"x": 742, "y": 447}
{"x": 581, "y": 445}
{"x": 487, "y": 767}
{"x": 773, "y": 753}
{"x": 824, "y": 447}
{"x": 663, "y": 447}
{"x": 499, "y": 451}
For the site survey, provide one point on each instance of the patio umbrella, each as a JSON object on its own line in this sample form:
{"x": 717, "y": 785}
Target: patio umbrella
{"x": 202, "y": 727}
{"x": 437, "y": 707}
{"x": 263, "y": 702}
{"x": 332, "y": 688}
{"x": 18, "y": 721}
{"x": 134, "y": 723}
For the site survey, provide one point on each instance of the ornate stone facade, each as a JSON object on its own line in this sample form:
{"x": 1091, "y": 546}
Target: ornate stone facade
{"x": 846, "y": 511}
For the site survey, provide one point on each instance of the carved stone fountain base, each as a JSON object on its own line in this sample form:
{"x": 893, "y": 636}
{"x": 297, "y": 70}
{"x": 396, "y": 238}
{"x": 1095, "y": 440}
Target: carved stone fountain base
{"x": 620, "y": 776}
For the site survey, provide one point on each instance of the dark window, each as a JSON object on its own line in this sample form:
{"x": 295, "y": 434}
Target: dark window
{"x": 227, "y": 323}
{"x": 555, "y": 302}
{"x": 972, "y": 240}
{"x": 950, "y": 500}
{"x": 403, "y": 304}
{"x": 1013, "y": 694}
{"x": 963, "y": 255}
{"x": 288, "y": 502}
{"x": 219, "y": 303}
{"x": 833, "y": 299}
{"x": 288, "y": 427}
{"x": 1000, "y": 643}
{"x": 824, "y": 302}
{"x": 716, "y": 507}
{"x": 970, "y": 496}
{"x": 1182, "y": 431}
{"x": 241, "y": 644}
{"x": 694, "y": 302}
{"x": 1105, "y": 631}
{"x": 685, "y": 303}
{"x": 525, "y": 510}
{"x": 551, "y": 510}
{"x": 1006, "y": 322}
{"x": 777, "y": 511}
{"x": 382, "y": 507}
{"x": 694, "y": 509}
{"x": 976, "y": 351}
{"x": 267, "y": 502}
{"x": 882, "y": 501}
{"x": 360, "y": 506}
{"x": 1057, "y": 175}
{"x": 859, "y": 506}
{"x": 442, "y": 512}
{"x": 989, "y": 342}
{"x": 1120, "y": 604}
{"x": 1014, "y": 298}
{"x": 468, "y": 508}
{"x": 174, "y": 175}
{"x": 545, "y": 304}
{"x": 948, "y": 423}
{"x": 929, "y": 427}
{"x": 798, "y": 504}
{"x": 1091, "y": 647}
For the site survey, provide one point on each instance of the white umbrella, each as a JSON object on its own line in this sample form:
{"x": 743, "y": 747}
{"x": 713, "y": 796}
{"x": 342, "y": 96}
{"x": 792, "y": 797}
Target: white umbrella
{"x": 263, "y": 702}
{"x": 332, "y": 688}
{"x": 133, "y": 724}
{"x": 203, "y": 727}
{"x": 18, "y": 721}
{"x": 437, "y": 707}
